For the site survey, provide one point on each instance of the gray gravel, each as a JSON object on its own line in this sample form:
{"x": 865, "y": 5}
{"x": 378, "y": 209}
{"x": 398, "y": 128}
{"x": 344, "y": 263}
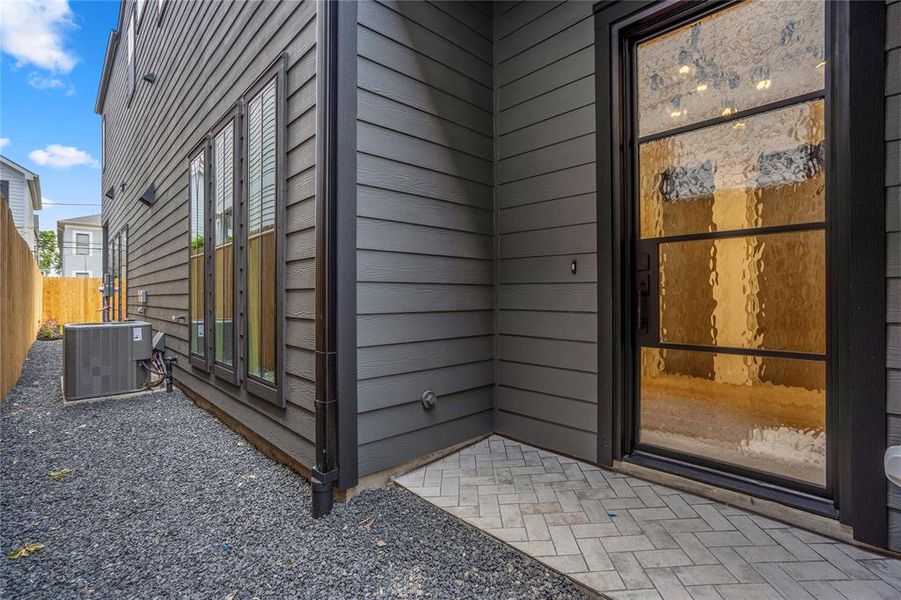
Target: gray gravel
{"x": 166, "y": 501}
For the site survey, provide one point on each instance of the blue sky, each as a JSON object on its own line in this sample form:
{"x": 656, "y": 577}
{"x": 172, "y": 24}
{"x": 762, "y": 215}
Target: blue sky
{"x": 52, "y": 56}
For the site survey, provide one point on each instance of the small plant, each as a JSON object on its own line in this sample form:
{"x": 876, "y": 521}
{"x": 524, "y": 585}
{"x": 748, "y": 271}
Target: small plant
{"x": 61, "y": 474}
{"x": 50, "y": 330}
{"x": 25, "y": 549}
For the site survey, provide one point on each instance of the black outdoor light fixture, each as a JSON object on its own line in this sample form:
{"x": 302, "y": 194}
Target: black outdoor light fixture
{"x": 149, "y": 195}
{"x": 149, "y": 77}
{"x": 111, "y": 192}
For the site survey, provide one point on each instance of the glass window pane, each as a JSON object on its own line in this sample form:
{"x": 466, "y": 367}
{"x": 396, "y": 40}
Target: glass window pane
{"x": 82, "y": 243}
{"x": 261, "y": 243}
{"x": 197, "y": 254}
{"x": 123, "y": 273}
{"x": 761, "y": 171}
{"x": 130, "y": 54}
{"x": 752, "y": 54}
{"x": 767, "y": 414}
{"x": 110, "y": 269}
{"x": 117, "y": 314}
{"x": 764, "y": 291}
{"x": 223, "y": 263}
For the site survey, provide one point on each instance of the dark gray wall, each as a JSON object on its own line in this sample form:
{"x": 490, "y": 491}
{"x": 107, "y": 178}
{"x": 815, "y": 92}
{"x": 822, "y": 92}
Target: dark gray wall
{"x": 893, "y": 248}
{"x": 546, "y": 320}
{"x": 425, "y": 227}
{"x": 205, "y": 55}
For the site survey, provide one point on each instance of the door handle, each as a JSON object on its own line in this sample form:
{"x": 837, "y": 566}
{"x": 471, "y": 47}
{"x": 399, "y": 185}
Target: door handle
{"x": 644, "y": 295}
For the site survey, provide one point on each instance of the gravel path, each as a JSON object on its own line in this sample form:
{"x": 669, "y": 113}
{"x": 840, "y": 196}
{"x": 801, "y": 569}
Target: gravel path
{"x": 165, "y": 501}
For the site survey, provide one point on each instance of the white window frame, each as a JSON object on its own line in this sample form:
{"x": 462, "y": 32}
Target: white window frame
{"x": 139, "y": 8}
{"x": 77, "y": 273}
{"x": 130, "y": 55}
{"x": 90, "y": 235}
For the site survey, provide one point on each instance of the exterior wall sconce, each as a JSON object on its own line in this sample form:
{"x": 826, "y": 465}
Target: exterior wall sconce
{"x": 149, "y": 195}
{"x": 149, "y": 77}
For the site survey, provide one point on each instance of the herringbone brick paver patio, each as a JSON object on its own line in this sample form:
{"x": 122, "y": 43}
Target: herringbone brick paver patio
{"x": 629, "y": 538}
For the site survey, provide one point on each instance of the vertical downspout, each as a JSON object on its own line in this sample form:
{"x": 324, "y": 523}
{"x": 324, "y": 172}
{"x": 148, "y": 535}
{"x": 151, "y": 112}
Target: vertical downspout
{"x": 325, "y": 471}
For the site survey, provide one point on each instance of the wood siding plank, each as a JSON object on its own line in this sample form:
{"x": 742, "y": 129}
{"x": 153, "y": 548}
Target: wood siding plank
{"x": 404, "y": 418}
{"x": 391, "y": 390}
{"x": 383, "y": 454}
{"x": 394, "y": 267}
{"x": 573, "y": 442}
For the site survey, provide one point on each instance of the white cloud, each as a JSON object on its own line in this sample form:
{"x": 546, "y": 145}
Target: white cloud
{"x": 32, "y": 31}
{"x": 46, "y": 201}
{"x": 40, "y": 82}
{"x": 63, "y": 157}
{"x": 4, "y": 142}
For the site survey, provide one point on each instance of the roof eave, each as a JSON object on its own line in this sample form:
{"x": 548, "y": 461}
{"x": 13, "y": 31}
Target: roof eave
{"x": 34, "y": 185}
{"x": 111, "y": 44}
{"x": 14, "y": 165}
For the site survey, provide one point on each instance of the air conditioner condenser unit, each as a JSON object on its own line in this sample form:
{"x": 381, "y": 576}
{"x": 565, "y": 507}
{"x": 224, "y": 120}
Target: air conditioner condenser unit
{"x": 103, "y": 359}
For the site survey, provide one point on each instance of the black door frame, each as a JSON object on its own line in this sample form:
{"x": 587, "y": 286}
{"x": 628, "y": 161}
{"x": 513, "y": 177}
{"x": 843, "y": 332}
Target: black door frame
{"x": 855, "y": 167}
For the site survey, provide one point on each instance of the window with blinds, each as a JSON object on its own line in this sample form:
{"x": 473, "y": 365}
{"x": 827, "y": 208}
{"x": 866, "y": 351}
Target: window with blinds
{"x": 223, "y": 188}
{"x": 82, "y": 243}
{"x": 234, "y": 199}
{"x": 197, "y": 253}
{"x": 261, "y": 234}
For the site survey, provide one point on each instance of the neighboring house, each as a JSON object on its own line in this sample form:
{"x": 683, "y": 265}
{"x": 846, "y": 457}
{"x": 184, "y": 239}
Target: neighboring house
{"x": 23, "y": 190}
{"x": 80, "y": 243}
{"x": 656, "y": 237}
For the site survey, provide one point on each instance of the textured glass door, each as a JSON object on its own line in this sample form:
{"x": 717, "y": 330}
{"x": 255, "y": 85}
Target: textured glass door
{"x": 730, "y": 250}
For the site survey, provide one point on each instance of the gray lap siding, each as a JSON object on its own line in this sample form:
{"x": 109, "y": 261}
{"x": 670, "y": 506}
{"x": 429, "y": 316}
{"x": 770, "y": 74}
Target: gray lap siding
{"x": 425, "y": 233}
{"x": 205, "y": 55}
{"x": 476, "y": 181}
{"x": 546, "y": 213}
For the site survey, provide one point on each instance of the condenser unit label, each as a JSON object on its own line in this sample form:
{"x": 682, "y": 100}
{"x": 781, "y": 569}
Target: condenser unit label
{"x": 137, "y": 334}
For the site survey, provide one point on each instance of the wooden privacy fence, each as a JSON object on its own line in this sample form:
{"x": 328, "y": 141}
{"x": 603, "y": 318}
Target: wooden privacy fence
{"x": 72, "y": 300}
{"x": 20, "y": 300}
